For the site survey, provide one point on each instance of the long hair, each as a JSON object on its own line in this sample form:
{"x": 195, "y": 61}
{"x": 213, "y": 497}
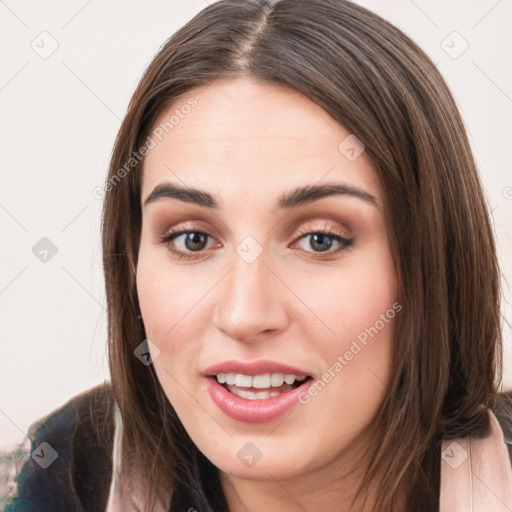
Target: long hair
{"x": 378, "y": 84}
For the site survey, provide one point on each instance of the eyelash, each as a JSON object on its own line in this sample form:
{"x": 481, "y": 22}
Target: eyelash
{"x": 345, "y": 242}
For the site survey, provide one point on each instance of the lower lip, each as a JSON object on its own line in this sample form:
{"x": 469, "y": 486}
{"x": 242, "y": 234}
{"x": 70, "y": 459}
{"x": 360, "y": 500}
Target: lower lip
{"x": 255, "y": 411}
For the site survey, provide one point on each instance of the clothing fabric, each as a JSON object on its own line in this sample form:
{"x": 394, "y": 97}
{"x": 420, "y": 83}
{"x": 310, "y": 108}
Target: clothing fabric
{"x": 476, "y": 474}
{"x": 78, "y": 479}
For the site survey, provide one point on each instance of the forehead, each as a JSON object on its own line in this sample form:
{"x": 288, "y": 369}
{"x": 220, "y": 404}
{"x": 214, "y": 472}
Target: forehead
{"x": 243, "y": 132}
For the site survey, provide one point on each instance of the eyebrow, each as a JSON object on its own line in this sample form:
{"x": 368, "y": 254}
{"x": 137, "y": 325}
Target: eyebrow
{"x": 297, "y": 197}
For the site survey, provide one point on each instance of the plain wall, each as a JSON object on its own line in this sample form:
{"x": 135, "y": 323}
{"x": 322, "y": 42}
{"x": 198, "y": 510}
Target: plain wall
{"x": 59, "y": 116}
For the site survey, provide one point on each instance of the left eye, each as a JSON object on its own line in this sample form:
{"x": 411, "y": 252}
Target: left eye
{"x": 322, "y": 241}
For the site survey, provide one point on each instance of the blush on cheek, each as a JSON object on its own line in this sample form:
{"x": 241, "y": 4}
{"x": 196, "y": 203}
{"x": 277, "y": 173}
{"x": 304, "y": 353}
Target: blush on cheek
{"x": 157, "y": 300}
{"x": 367, "y": 342}
{"x": 364, "y": 320}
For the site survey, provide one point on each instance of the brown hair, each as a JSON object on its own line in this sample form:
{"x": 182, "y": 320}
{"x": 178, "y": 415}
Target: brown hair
{"x": 382, "y": 87}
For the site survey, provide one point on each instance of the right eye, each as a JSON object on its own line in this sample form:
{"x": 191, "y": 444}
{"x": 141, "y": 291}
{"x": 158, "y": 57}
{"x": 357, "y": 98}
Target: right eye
{"x": 193, "y": 242}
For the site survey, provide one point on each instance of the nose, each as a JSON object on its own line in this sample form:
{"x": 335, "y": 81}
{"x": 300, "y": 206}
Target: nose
{"x": 251, "y": 302}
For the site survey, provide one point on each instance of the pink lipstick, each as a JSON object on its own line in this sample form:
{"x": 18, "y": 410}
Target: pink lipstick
{"x": 256, "y": 392}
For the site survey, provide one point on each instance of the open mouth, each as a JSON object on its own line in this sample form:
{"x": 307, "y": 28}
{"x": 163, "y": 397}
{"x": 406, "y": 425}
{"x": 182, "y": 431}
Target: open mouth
{"x": 260, "y": 387}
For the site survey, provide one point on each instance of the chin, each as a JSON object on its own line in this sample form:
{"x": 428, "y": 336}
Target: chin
{"x": 262, "y": 471}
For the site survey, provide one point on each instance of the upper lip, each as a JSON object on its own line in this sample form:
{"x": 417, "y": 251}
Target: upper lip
{"x": 252, "y": 368}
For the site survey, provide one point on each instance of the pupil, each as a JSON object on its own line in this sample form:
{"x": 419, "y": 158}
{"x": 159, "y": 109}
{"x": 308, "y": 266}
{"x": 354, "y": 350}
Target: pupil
{"x": 195, "y": 238}
{"x": 320, "y": 238}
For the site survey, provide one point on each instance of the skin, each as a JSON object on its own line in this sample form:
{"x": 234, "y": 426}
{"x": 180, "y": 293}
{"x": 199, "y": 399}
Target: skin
{"x": 247, "y": 143}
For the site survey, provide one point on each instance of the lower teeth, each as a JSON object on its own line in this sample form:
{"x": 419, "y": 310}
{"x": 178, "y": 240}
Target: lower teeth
{"x": 249, "y": 395}
{"x": 257, "y": 395}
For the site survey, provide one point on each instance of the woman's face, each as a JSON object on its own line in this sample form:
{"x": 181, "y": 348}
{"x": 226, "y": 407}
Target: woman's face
{"x": 259, "y": 283}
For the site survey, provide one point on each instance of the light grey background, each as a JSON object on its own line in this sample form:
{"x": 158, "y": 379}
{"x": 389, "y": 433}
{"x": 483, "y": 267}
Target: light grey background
{"x": 59, "y": 117}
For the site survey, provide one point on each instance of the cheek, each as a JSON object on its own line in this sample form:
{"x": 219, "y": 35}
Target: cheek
{"x": 361, "y": 309}
{"x": 167, "y": 296}
{"x": 357, "y": 299}
{"x": 153, "y": 299}
{"x": 367, "y": 304}
{"x": 164, "y": 309}
{"x": 173, "y": 309}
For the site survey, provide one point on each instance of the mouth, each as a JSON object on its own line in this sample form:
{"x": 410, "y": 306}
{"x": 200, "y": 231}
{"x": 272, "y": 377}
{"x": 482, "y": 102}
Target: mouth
{"x": 256, "y": 391}
{"x": 260, "y": 387}
{"x": 254, "y": 398}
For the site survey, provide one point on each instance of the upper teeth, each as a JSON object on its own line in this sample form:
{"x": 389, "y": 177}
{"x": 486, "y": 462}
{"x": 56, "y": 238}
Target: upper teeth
{"x": 258, "y": 381}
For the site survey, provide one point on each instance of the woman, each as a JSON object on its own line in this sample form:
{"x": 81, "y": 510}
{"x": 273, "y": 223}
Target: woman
{"x": 335, "y": 341}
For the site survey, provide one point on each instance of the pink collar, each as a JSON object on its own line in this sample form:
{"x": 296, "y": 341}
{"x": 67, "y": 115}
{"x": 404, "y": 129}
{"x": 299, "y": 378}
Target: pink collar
{"x": 476, "y": 475}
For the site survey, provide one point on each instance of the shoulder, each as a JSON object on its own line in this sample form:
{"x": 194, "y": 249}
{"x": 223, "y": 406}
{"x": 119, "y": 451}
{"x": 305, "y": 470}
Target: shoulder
{"x": 70, "y": 463}
{"x": 503, "y": 412}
